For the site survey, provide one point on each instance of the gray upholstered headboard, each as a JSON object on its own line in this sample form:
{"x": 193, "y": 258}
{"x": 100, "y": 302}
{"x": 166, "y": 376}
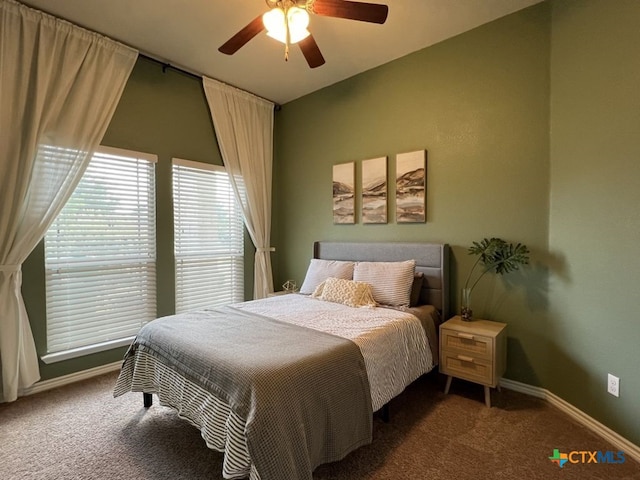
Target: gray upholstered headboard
{"x": 431, "y": 259}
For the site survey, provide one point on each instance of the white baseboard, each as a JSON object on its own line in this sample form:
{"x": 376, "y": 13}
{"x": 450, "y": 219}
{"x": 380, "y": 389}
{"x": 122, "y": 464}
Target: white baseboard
{"x": 596, "y": 427}
{"x": 71, "y": 378}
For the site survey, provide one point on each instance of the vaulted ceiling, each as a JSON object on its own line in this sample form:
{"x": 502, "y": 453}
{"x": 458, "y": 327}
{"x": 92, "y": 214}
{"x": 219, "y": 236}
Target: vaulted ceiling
{"x": 187, "y": 34}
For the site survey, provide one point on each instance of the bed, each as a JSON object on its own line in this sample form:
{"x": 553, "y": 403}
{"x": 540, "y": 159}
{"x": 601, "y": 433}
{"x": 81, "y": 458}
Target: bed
{"x": 284, "y": 384}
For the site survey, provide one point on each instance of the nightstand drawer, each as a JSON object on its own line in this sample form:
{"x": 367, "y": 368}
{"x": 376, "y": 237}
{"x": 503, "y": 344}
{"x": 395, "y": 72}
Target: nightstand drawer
{"x": 467, "y": 367}
{"x": 477, "y": 346}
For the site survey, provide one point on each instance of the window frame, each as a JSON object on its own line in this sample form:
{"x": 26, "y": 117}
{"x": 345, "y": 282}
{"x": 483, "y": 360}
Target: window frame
{"x": 237, "y": 251}
{"x": 152, "y": 244}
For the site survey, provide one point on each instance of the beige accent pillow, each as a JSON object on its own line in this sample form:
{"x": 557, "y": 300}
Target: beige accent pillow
{"x": 346, "y": 292}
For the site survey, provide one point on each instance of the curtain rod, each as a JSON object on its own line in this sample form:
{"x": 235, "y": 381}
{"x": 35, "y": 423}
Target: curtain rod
{"x": 166, "y": 65}
{"x": 148, "y": 56}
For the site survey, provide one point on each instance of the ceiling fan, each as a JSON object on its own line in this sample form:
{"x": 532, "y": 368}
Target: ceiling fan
{"x": 287, "y": 22}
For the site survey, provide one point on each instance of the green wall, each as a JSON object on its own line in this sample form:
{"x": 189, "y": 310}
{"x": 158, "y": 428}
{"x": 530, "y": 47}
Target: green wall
{"x": 484, "y": 104}
{"x": 595, "y": 215}
{"x": 164, "y": 113}
{"x": 479, "y": 104}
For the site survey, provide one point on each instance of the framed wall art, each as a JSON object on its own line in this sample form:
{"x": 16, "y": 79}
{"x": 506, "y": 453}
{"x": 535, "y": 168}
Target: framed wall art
{"x": 344, "y": 193}
{"x": 374, "y": 190}
{"x": 411, "y": 186}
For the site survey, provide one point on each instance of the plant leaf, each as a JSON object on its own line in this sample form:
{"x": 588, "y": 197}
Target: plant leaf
{"x": 510, "y": 257}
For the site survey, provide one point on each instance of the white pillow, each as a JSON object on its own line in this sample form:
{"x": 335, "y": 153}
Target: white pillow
{"x": 319, "y": 270}
{"x": 390, "y": 281}
{"x": 347, "y": 292}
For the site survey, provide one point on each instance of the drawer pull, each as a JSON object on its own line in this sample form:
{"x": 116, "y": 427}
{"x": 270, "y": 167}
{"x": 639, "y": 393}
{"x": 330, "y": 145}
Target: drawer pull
{"x": 468, "y": 336}
{"x": 464, "y": 358}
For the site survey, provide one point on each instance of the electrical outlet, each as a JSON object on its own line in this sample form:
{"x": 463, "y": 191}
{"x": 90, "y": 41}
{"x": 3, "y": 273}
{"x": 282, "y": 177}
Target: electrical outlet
{"x": 613, "y": 385}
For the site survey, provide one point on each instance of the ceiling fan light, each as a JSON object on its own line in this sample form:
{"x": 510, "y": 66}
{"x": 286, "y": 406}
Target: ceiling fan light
{"x": 274, "y": 23}
{"x": 298, "y": 20}
{"x": 298, "y": 23}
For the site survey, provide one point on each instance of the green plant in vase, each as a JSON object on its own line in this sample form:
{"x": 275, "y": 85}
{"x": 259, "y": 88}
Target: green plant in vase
{"x": 495, "y": 255}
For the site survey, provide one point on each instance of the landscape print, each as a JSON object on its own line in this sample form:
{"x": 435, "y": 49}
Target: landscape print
{"x": 411, "y": 187}
{"x": 343, "y": 193}
{"x": 374, "y": 190}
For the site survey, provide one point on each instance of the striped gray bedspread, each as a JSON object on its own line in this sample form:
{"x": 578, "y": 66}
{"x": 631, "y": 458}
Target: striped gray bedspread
{"x": 303, "y": 394}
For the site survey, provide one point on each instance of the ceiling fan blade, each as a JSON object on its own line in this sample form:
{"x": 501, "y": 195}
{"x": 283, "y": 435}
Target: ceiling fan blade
{"x": 236, "y": 42}
{"x": 364, "y": 12}
{"x": 311, "y": 52}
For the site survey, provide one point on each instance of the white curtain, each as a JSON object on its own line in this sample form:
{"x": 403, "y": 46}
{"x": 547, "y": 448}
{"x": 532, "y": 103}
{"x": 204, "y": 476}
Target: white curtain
{"x": 59, "y": 86}
{"x": 244, "y": 129}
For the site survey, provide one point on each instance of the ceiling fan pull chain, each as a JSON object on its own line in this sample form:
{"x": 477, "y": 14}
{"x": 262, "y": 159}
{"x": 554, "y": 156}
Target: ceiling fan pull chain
{"x": 288, "y": 37}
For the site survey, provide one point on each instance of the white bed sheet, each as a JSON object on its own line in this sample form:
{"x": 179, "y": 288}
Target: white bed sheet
{"x": 393, "y": 343}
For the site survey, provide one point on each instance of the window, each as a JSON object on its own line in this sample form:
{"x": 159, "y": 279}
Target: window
{"x": 100, "y": 257}
{"x": 208, "y": 237}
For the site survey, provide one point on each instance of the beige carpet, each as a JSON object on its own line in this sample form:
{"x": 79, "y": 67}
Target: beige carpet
{"x": 81, "y": 432}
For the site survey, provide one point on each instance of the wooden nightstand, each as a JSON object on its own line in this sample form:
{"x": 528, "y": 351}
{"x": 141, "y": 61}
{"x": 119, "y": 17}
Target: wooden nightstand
{"x": 474, "y": 351}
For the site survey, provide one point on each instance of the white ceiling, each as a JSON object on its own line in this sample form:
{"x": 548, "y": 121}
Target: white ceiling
{"x": 187, "y": 34}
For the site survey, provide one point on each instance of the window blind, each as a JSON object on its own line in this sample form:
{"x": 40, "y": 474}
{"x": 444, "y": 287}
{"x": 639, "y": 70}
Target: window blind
{"x": 208, "y": 237}
{"x": 100, "y": 255}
